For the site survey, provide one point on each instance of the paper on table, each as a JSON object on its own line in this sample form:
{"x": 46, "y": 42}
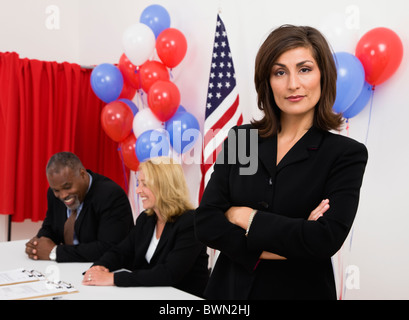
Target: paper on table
{"x": 29, "y": 284}
{"x": 20, "y": 275}
{"x": 33, "y": 290}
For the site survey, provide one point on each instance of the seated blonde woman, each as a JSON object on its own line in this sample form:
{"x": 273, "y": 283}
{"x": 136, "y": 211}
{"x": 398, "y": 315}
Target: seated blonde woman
{"x": 161, "y": 249}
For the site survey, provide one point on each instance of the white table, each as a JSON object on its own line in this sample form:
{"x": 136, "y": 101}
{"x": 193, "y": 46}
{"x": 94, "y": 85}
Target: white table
{"x": 12, "y": 256}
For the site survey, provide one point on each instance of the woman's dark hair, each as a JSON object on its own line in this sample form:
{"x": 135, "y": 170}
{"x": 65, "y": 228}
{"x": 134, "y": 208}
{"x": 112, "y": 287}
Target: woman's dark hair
{"x": 280, "y": 40}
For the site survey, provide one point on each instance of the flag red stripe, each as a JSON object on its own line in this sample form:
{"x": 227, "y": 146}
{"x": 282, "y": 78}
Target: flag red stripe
{"x": 222, "y": 121}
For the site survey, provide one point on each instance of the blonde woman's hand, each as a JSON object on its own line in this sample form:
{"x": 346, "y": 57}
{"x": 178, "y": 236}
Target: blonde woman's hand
{"x": 98, "y": 276}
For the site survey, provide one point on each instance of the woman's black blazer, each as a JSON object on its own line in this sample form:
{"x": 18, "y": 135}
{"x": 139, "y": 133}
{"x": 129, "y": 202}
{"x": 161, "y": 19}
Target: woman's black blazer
{"x": 179, "y": 259}
{"x": 320, "y": 165}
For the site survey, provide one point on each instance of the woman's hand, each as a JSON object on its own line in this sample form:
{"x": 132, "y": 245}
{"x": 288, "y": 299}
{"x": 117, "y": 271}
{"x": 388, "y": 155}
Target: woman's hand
{"x": 98, "y": 276}
{"x": 239, "y": 216}
{"x": 319, "y": 211}
{"x": 265, "y": 255}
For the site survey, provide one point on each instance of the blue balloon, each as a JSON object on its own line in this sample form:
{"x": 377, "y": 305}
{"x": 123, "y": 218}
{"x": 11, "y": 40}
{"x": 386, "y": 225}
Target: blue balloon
{"x": 107, "y": 82}
{"x": 155, "y": 17}
{"x": 152, "y": 143}
{"x": 360, "y": 102}
{"x": 131, "y": 105}
{"x": 350, "y": 80}
{"x": 183, "y": 130}
{"x": 180, "y": 109}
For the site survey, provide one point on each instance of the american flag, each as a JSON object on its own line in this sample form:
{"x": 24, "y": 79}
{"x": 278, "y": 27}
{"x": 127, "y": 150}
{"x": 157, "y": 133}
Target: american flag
{"x": 222, "y": 105}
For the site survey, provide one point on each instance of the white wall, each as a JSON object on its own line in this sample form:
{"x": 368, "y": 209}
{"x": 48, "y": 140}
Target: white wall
{"x": 90, "y": 33}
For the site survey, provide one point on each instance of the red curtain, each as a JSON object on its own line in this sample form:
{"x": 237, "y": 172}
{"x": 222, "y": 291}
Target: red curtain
{"x": 47, "y": 107}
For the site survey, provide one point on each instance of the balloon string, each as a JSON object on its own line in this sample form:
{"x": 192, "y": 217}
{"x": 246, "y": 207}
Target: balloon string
{"x": 137, "y": 195}
{"x": 140, "y": 91}
{"x": 123, "y": 168}
{"x": 370, "y": 115}
{"x": 343, "y": 285}
{"x": 350, "y": 240}
{"x": 347, "y": 128}
{"x": 341, "y": 274}
{"x": 140, "y": 98}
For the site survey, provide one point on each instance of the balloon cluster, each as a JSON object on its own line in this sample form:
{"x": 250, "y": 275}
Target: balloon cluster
{"x": 164, "y": 125}
{"x": 378, "y": 55}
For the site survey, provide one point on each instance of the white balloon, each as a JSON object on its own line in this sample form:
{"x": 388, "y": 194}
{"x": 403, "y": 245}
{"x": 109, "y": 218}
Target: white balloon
{"x": 138, "y": 42}
{"x": 341, "y": 35}
{"x": 145, "y": 120}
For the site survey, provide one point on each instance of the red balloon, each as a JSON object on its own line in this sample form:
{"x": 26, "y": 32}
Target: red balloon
{"x": 116, "y": 120}
{"x": 152, "y": 71}
{"x": 163, "y": 99}
{"x": 127, "y": 147}
{"x": 129, "y": 71}
{"x": 380, "y": 51}
{"x": 171, "y": 46}
{"x": 128, "y": 91}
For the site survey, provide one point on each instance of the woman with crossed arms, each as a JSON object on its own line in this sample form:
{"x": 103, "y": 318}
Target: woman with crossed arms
{"x": 269, "y": 249}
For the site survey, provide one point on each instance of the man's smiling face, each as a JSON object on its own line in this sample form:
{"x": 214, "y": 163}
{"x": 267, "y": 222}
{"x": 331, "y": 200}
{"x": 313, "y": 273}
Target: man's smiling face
{"x": 69, "y": 185}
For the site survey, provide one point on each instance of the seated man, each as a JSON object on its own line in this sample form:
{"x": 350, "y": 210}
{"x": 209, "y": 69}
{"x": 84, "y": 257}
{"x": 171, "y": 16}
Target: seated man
{"x": 87, "y": 213}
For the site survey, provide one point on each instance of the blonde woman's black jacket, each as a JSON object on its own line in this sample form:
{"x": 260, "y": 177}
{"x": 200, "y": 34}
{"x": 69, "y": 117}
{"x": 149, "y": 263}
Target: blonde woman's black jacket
{"x": 179, "y": 259}
{"x": 321, "y": 165}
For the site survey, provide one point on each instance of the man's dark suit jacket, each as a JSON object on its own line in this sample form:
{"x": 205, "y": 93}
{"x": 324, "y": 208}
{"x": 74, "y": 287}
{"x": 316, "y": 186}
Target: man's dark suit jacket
{"x": 105, "y": 220}
{"x": 321, "y": 165}
{"x": 179, "y": 259}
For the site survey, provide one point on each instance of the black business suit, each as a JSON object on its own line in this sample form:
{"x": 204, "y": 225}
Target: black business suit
{"x": 320, "y": 165}
{"x": 179, "y": 259}
{"x": 105, "y": 220}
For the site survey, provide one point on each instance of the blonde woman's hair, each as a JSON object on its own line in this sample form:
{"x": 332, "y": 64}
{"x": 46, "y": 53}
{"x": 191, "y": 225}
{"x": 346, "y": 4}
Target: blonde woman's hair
{"x": 166, "y": 180}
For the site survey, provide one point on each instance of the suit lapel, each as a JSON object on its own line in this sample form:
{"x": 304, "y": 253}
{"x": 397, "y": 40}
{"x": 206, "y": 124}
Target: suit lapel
{"x": 300, "y": 151}
{"x": 267, "y": 153}
{"x": 79, "y": 221}
{"x": 163, "y": 239}
{"x": 143, "y": 239}
{"x": 89, "y": 195}
{"x": 148, "y": 230}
